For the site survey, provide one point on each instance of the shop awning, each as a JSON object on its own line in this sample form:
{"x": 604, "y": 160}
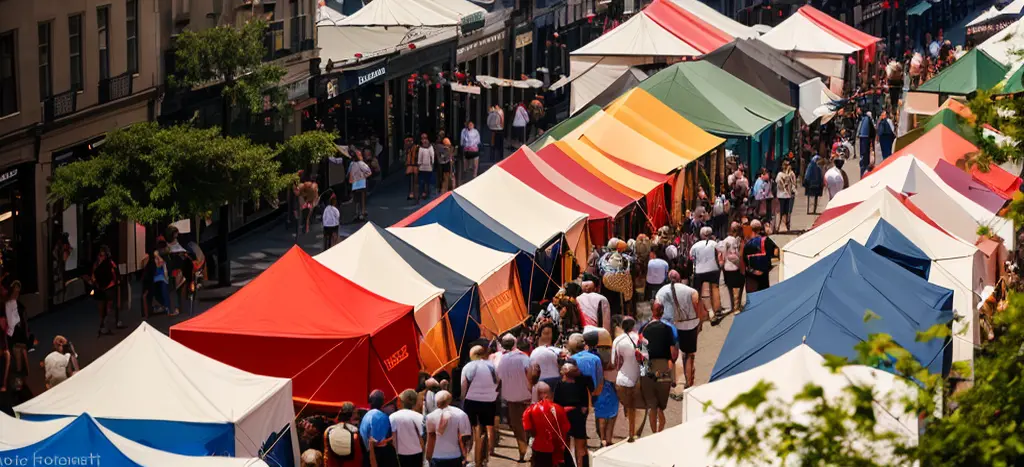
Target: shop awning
{"x": 975, "y": 71}
{"x": 920, "y": 8}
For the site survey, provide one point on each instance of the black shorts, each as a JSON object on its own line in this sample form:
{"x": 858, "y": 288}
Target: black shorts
{"x": 328, "y": 231}
{"x": 480, "y": 413}
{"x": 688, "y": 340}
{"x": 470, "y": 155}
{"x": 410, "y": 460}
{"x": 785, "y": 205}
{"x": 577, "y": 424}
{"x": 734, "y": 279}
{"x": 705, "y": 277}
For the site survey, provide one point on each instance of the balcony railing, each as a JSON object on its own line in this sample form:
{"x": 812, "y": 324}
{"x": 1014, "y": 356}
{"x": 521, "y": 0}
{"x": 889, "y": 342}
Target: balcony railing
{"x": 60, "y": 105}
{"x": 115, "y": 88}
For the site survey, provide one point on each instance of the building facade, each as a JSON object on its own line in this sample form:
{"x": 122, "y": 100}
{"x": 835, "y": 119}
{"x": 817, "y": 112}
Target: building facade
{"x": 70, "y": 72}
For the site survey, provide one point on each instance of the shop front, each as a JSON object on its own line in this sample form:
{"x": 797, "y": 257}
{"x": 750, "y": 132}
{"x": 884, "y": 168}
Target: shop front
{"x": 18, "y": 226}
{"x": 481, "y": 53}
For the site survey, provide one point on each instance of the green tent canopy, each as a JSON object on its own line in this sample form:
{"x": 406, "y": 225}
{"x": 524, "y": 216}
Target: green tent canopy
{"x": 945, "y": 117}
{"x": 715, "y": 100}
{"x": 975, "y": 70}
{"x": 559, "y": 131}
{"x": 1015, "y": 83}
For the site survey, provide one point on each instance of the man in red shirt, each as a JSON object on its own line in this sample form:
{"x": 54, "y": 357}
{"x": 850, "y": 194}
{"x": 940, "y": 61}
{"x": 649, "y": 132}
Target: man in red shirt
{"x": 549, "y": 425}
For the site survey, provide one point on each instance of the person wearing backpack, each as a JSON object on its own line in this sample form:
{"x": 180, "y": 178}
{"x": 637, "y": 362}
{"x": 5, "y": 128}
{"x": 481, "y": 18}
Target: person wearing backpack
{"x": 730, "y": 256}
{"x": 757, "y": 256}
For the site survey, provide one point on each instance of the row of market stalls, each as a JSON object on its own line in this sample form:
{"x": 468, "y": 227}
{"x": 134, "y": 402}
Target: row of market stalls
{"x": 919, "y": 242}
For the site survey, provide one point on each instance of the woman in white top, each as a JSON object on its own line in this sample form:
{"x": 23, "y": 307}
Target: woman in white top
{"x": 704, "y": 255}
{"x": 625, "y": 352}
{"x": 425, "y": 164}
{"x": 331, "y": 220}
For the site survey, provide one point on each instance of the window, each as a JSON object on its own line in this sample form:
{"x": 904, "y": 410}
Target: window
{"x": 75, "y": 50}
{"x": 45, "y": 68}
{"x": 298, "y": 26}
{"x": 103, "y": 39}
{"x": 8, "y": 74}
{"x": 273, "y": 39}
{"x": 132, "y": 31}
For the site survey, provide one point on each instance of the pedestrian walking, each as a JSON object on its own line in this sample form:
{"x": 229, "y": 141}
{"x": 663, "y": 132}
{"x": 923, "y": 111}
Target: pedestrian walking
{"x": 407, "y": 426}
{"x": 331, "y": 219}
{"x": 549, "y": 425}
{"x": 886, "y": 135}
{"x": 520, "y": 120}
{"x": 606, "y": 402}
{"x": 835, "y": 179}
{"x": 480, "y": 385}
{"x": 103, "y": 281}
{"x": 445, "y": 156}
{"x": 785, "y": 183}
{"x": 375, "y": 432}
{"x": 865, "y": 133}
{"x": 537, "y": 113}
{"x": 572, "y": 392}
{"x": 60, "y": 364}
{"x": 496, "y": 123}
{"x": 657, "y": 274}
{"x": 662, "y": 350}
{"x": 545, "y": 355}
{"x": 730, "y": 256}
{"x": 448, "y": 434}
{"x": 706, "y": 272}
{"x": 763, "y": 194}
{"x": 412, "y": 166}
{"x": 358, "y": 172}
{"x": 595, "y": 310}
{"x": 758, "y": 254}
{"x": 627, "y": 357}
{"x": 425, "y": 166}
{"x": 686, "y": 308}
{"x": 514, "y": 373}
{"x": 470, "y": 141}
{"x": 814, "y": 181}
{"x": 341, "y": 441}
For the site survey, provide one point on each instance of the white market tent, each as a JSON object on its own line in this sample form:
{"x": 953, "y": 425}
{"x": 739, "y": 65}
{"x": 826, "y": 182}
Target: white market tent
{"x": 956, "y": 264}
{"x": 1013, "y": 8}
{"x": 684, "y": 445}
{"x": 953, "y": 211}
{"x": 524, "y": 211}
{"x": 638, "y": 41}
{"x": 69, "y": 438}
{"x": 156, "y": 391}
{"x": 814, "y": 100}
{"x": 985, "y": 16}
{"x": 810, "y": 44}
{"x": 714, "y": 18}
{"x": 382, "y": 27}
{"x": 1003, "y": 43}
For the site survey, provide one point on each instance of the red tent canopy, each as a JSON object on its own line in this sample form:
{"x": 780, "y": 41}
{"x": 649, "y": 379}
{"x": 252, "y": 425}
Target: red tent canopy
{"x": 942, "y": 143}
{"x": 837, "y": 28}
{"x": 616, "y": 194}
{"x": 838, "y": 211}
{"x": 300, "y": 320}
{"x": 687, "y": 26}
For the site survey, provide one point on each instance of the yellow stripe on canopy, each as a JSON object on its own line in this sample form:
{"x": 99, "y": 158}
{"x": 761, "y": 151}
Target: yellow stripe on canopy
{"x": 625, "y": 143}
{"x": 659, "y": 123}
{"x": 601, "y": 165}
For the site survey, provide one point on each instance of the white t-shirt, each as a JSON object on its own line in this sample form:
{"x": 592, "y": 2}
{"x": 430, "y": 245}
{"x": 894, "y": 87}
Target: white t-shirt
{"x": 407, "y": 425}
{"x": 623, "y": 350}
{"x": 657, "y": 271}
{"x": 687, "y": 317}
{"x": 705, "y": 256}
{"x": 733, "y": 244}
{"x": 446, "y": 445}
{"x": 56, "y": 366}
{"x": 512, "y": 374}
{"x": 332, "y": 217}
{"x": 834, "y": 181}
{"x": 546, "y": 357}
{"x": 484, "y": 379}
{"x": 592, "y": 303}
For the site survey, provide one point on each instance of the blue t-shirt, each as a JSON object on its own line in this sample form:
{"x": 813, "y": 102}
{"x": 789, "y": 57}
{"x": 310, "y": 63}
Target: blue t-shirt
{"x": 590, "y": 365}
{"x": 375, "y": 424}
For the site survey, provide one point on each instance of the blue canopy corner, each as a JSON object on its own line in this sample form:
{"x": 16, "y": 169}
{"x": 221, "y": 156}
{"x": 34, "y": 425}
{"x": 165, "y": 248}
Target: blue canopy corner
{"x": 887, "y": 241}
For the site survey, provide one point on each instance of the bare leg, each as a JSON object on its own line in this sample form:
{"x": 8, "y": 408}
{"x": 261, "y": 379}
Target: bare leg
{"x": 631, "y": 415}
{"x": 478, "y": 448}
{"x": 691, "y": 373}
{"x": 716, "y": 298}
{"x": 476, "y": 166}
{"x": 21, "y": 358}
{"x": 581, "y": 451}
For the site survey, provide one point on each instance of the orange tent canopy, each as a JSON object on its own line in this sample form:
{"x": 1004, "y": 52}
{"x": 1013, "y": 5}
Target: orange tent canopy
{"x": 626, "y": 143}
{"x": 659, "y": 123}
{"x": 942, "y": 143}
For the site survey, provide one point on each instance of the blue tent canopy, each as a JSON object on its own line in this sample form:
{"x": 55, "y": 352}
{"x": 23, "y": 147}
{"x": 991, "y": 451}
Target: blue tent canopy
{"x": 81, "y": 440}
{"x": 887, "y": 241}
{"x": 825, "y": 305}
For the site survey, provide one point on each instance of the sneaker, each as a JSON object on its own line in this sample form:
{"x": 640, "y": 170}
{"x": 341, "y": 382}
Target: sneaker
{"x": 176, "y": 312}
{"x": 119, "y": 325}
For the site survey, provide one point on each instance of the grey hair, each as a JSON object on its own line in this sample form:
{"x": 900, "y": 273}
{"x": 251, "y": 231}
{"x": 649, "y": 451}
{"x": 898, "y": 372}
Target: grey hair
{"x": 705, "y": 232}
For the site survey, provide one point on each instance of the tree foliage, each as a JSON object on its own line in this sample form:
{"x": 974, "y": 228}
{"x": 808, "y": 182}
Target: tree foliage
{"x": 233, "y": 56}
{"x": 305, "y": 149}
{"x": 149, "y": 174}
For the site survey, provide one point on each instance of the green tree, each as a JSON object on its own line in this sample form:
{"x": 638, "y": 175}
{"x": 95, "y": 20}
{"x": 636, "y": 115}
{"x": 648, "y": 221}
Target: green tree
{"x": 151, "y": 174}
{"x": 306, "y": 149}
{"x": 980, "y": 425}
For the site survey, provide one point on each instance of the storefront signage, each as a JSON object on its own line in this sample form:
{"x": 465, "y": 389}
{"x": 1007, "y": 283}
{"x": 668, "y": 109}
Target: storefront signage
{"x": 8, "y": 176}
{"x": 871, "y": 11}
{"x": 524, "y": 39}
{"x": 298, "y": 90}
{"x": 487, "y": 45}
{"x": 471, "y": 22}
{"x": 466, "y": 89}
{"x": 372, "y": 74}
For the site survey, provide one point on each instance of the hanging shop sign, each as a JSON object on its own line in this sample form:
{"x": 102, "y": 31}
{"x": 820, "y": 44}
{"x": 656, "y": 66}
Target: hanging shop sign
{"x": 471, "y": 22}
{"x": 872, "y": 10}
{"x": 524, "y": 39}
{"x": 8, "y": 177}
{"x": 485, "y": 46}
{"x": 466, "y": 89}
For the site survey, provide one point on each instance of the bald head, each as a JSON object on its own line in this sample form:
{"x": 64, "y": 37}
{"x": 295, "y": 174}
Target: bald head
{"x": 508, "y": 342}
{"x": 477, "y": 352}
{"x": 576, "y": 343}
{"x": 543, "y": 391}
{"x": 443, "y": 399}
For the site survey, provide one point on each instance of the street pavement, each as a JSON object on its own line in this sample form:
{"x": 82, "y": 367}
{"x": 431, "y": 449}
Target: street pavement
{"x": 255, "y": 252}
